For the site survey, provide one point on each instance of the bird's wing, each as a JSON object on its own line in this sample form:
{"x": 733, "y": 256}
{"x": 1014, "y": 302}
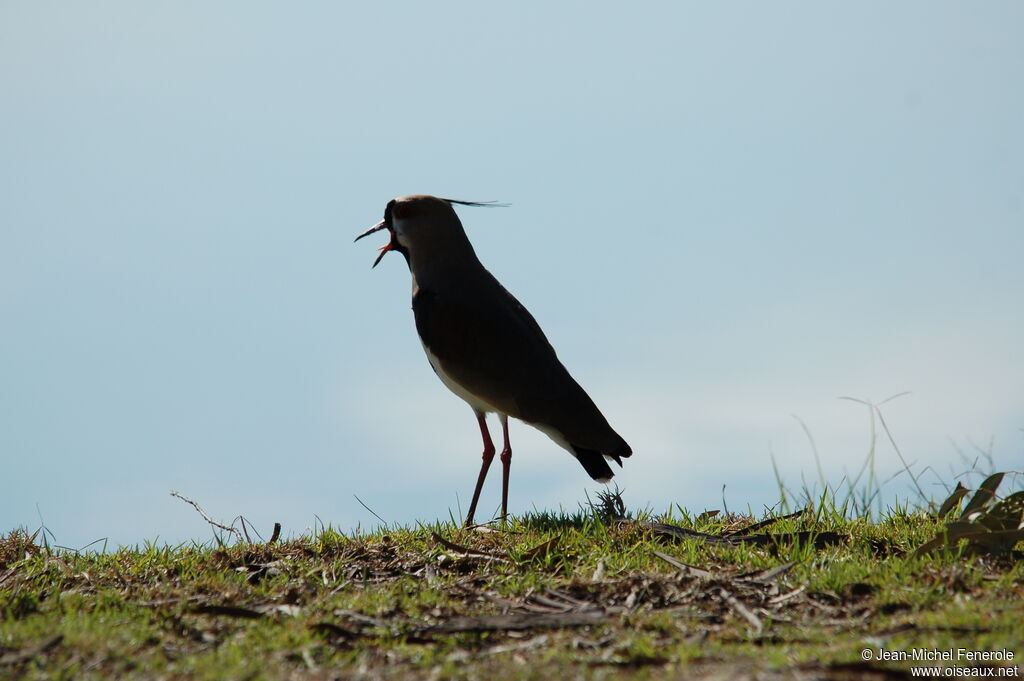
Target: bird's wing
{"x": 498, "y": 352}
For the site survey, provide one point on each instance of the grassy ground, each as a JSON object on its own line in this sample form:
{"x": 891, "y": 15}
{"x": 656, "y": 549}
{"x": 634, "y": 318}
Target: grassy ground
{"x": 590, "y": 595}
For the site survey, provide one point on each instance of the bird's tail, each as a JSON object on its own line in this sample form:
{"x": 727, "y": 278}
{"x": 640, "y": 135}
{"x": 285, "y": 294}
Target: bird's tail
{"x": 594, "y": 463}
{"x": 622, "y": 451}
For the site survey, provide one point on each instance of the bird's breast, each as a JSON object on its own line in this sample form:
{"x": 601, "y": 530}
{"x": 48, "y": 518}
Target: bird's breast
{"x": 473, "y": 400}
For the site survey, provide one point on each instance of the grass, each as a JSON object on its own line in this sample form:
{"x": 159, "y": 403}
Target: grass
{"x": 595, "y": 594}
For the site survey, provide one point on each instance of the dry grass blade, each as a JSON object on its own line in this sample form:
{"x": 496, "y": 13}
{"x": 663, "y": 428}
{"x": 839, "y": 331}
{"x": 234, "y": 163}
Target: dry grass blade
{"x": 554, "y": 593}
{"x": 788, "y": 596}
{"x": 361, "y": 618}
{"x": 683, "y": 567}
{"x": 769, "y": 574}
{"x": 557, "y": 601}
{"x": 682, "y": 533}
{"x": 465, "y": 550}
{"x": 503, "y": 603}
{"x": 519, "y": 621}
{"x": 374, "y": 513}
{"x": 164, "y": 602}
{"x": 548, "y": 604}
{"x": 536, "y": 642}
{"x": 819, "y": 540}
{"x": 228, "y": 610}
{"x": 335, "y": 630}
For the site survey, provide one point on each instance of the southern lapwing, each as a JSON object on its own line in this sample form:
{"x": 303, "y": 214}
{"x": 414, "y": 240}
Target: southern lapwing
{"x": 486, "y": 347}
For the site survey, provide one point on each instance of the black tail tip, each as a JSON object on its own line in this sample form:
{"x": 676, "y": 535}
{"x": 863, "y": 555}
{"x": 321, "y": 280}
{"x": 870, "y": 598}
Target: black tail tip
{"x": 594, "y": 464}
{"x": 623, "y": 452}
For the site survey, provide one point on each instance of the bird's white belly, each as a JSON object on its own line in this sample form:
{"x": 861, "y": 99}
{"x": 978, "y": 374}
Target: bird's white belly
{"x": 472, "y": 400}
{"x": 481, "y": 405}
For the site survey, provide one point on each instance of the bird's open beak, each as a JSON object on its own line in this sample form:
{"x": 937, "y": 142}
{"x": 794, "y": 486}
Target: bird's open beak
{"x": 386, "y": 247}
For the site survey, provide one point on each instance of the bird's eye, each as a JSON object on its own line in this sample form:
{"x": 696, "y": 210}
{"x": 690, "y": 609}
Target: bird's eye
{"x": 403, "y": 211}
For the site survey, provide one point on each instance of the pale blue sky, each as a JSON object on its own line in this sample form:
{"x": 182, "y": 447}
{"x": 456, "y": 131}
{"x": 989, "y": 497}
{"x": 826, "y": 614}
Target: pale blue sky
{"x": 722, "y": 214}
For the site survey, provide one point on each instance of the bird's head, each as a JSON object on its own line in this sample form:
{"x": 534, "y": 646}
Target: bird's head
{"x": 423, "y": 225}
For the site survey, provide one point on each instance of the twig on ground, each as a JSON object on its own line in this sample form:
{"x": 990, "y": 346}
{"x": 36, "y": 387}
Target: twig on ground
{"x": 245, "y": 531}
{"x": 20, "y": 656}
{"x": 233, "y": 530}
{"x": 764, "y": 523}
{"x": 743, "y": 610}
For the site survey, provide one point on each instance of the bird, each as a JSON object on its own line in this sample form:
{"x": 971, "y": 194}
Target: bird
{"x": 486, "y": 347}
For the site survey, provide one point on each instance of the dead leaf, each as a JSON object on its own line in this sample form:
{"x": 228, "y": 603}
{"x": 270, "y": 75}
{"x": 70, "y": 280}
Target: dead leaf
{"x": 541, "y": 550}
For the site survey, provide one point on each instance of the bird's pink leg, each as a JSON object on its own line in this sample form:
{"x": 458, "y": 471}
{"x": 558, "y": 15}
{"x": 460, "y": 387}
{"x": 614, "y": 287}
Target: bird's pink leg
{"x": 506, "y": 465}
{"x": 488, "y": 457}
